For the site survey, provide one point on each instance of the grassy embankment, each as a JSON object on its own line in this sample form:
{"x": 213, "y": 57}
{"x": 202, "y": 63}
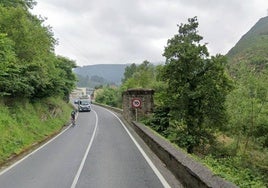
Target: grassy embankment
{"x": 23, "y": 124}
{"x": 244, "y": 168}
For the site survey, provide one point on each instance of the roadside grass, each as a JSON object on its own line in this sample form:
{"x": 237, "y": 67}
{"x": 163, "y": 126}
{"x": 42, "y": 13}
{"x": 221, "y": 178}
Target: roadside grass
{"x": 235, "y": 170}
{"x": 245, "y": 168}
{"x": 24, "y": 124}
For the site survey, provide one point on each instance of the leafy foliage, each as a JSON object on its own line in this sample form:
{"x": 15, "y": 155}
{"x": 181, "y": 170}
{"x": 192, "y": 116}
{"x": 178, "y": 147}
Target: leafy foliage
{"x": 29, "y": 67}
{"x": 195, "y": 97}
{"x": 235, "y": 170}
{"x": 109, "y": 96}
{"x": 135, "y": 76}
{"x": 247, "y": 104}
{"x": 16, "y": 3}
{"x": 10, "y": 81}
{"x": 160, "y": 120}
{"x": 139, "y": 76}
{"x": 197, "y": 85}
{"x": 33, "y": 80}
{"x": 248, "y": 112}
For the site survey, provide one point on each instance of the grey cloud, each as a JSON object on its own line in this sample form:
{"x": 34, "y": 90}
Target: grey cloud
{"x": 126, "y": 31}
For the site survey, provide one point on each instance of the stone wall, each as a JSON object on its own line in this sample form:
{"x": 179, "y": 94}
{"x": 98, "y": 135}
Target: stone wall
{"x": 189, "y": 172}
{"x": 145, "y": 96}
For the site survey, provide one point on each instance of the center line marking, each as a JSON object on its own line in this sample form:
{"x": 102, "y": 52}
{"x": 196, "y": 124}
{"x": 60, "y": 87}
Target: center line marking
{"x": 86, "y": 154}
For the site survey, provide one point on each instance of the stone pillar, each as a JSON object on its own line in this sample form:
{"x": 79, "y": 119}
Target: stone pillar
{"x": 137, "y": 102}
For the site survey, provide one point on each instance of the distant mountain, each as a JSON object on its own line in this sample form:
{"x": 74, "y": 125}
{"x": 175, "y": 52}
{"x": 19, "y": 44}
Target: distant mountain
{"x": 93, "y": 75}
{"x": 254, "y": 44}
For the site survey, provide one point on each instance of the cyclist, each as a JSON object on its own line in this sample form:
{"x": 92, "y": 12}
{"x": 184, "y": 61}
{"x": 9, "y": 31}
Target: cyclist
{"x": 73, "y": 117}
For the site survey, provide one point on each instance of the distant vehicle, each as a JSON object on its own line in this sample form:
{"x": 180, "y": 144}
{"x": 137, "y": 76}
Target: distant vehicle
{"x": 85, "y": 97}
{"x": 84, "y": 105}
{"x": 76, "y": 101}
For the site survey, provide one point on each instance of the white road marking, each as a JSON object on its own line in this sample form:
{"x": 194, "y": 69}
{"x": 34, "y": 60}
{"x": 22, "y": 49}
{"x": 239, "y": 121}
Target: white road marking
{"x": 19, "y": 161}
{"x": 151, "y": 164}
{"x": 156, "y": 171}
{"x": 86, "y": 154}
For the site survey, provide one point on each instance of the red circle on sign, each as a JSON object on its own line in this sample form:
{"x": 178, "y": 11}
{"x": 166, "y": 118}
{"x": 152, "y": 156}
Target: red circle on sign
{"x": 136, "y": 103}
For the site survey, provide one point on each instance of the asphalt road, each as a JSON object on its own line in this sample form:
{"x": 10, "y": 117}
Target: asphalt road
{"x": 98, "y": 152}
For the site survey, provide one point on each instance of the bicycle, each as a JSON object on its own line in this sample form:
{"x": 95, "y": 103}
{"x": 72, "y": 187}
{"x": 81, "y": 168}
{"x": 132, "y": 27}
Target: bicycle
{"x": 73, "y": 117}
{"x": 73, "y": 122}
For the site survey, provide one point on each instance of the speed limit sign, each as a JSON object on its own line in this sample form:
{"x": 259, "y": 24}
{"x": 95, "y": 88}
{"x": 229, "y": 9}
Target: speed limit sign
{"x": 136, "y": 103}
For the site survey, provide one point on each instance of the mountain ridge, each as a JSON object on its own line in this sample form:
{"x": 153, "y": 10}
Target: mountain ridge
{"x": 252, "y": 44}
{"x": 106, "y": 73}
{"x": 252, "y": 47}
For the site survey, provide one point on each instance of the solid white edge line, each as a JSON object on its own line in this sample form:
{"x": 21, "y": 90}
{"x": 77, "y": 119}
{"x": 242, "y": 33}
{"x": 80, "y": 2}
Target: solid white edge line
{"x": 151, "y": 164}
{"x": 86, "y": 154}
{"x": 42, "y": 146}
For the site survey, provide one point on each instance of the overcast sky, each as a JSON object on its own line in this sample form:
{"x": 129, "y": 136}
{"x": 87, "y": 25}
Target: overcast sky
{"x": 131, "y": 31}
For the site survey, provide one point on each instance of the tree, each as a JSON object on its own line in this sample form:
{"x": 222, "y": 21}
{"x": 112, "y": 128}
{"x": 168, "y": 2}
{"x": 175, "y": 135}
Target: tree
{"x": 141, "y": 76}
{"x": 29, "y": 67}
{"x": 247, "y": 105}
{"x": 31, "y": 38}
{"x": 66, "y": 79}
{"x": 11, "y": 82}
{"x": 129, "y": 71}
{"x": 197, "y": 86}
{"x": 108, "y": 95}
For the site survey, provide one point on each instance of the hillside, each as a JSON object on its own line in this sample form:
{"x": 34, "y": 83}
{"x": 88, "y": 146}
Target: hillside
{"x": 25, "y": 124}
{"x": 92, "y": 75}
{"x": 247, "y": 106}
{"x": 253, "y": 44}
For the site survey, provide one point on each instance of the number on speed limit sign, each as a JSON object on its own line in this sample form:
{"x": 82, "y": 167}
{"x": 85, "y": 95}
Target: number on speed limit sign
{"x": 136, "y": 103}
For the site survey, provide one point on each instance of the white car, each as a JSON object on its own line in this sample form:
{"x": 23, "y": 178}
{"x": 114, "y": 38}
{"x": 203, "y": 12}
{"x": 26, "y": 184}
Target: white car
{"x": 84, "y": 105}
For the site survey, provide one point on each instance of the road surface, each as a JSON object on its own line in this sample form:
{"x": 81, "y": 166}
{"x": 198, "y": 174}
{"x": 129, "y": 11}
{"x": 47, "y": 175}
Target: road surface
{"x": 98, "y": 152}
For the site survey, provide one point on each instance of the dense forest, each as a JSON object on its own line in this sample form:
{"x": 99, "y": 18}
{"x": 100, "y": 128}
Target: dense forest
{"x": 34, "y": 82}
{"x": 215, "y": 107}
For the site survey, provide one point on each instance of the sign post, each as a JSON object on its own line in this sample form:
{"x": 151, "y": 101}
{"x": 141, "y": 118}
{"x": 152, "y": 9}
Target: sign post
{"x": 136, "y": 103}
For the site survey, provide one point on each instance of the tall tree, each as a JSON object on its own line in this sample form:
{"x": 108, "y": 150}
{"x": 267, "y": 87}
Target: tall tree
{"x": 129, "y": 71}
{"x": 11, "y": 82}
{"x": 197, "y": 86}
{"x": 139, "y": 76}
{"x": 29, "y": 67}
{"x": 66, "y": 76}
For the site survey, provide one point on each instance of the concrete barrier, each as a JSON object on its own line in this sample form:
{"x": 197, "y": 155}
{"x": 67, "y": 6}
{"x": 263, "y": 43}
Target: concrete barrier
{"x": 188, "y": 171}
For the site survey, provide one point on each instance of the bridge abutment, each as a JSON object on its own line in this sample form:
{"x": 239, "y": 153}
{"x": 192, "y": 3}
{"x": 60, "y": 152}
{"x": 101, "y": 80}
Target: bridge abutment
{"x": 137, "y": 103}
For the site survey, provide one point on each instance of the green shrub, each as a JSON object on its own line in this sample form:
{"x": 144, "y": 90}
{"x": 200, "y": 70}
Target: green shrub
{"x": 235, "y": 170}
